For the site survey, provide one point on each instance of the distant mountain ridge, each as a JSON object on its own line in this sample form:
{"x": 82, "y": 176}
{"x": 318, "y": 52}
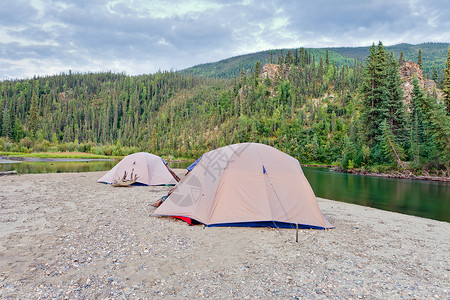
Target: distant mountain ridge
{"x": 433, "y": 54}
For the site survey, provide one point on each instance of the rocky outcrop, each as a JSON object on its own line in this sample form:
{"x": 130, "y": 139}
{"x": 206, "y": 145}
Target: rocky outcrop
{"x": 408, "y": 70}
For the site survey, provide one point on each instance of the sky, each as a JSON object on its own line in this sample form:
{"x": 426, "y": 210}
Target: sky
{"x": 47, "y": 37}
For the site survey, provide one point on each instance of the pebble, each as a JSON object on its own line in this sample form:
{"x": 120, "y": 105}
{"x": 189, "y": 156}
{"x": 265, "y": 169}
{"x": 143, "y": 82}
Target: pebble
{"x": 101, "y": 243}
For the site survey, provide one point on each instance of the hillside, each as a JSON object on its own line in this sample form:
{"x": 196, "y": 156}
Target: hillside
{"x": 316, "y": 111}
{"x": 232, "y": 67}
{"x": 432, "y": 54}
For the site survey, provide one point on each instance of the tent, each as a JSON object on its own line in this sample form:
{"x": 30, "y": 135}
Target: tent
{"x": 150, "y": 169}
{"x": 246, "y": 184}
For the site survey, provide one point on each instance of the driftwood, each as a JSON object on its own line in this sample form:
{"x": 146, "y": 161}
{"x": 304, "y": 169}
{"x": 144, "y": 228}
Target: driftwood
{"x": 8, "y": 173}
{"x": 123, "y": 182}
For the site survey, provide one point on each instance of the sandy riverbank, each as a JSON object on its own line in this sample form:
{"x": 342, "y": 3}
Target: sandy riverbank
{"x": 64, "y": 235}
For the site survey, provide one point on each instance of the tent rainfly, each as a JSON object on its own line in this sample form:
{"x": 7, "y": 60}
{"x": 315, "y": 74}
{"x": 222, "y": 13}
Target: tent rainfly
{"x": 149, "y": 168}
{"x": 246, "y": 184}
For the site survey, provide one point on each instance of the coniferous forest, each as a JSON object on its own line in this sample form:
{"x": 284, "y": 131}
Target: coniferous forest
{"x": 349, "y": 113}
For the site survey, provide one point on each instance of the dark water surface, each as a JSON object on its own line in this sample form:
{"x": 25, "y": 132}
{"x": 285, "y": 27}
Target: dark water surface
{"x": 427, "y": 199}
{"x": 413, "y": 197}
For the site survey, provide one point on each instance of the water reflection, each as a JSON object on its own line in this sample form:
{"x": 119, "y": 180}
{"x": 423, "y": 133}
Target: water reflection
{"x": 71, "y": 166}
{"x": 421, "y": 198}
{"x": 58, "y": 166}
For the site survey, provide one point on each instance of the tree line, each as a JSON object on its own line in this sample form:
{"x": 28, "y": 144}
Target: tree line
{"x": 352, "y": 115}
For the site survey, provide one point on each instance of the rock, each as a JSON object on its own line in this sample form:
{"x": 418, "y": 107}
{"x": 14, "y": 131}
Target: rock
{"x": 408, "y": 70}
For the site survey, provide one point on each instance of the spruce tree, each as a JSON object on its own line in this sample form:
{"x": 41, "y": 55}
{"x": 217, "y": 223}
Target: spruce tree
{"x": 446, "y": 85}
{"x": 375, "y": 92}
{"x": 435, "y": 74}
{"x": 257, "y": 72}
{"x": 419, "y": 139}
{"x": 433, "y": 128}
{"x": 289, "y": 58}
{"x": 396, "y": 109}
{"x": 33, "y": 113}
{"x": 401, "y": 59}
{"x": 391, "y": 149}
{"x": 7, "y": 126}
{"x": 419, "y": 59}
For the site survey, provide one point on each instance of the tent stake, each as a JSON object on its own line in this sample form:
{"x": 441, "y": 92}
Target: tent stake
{"x": 296, "y": 233}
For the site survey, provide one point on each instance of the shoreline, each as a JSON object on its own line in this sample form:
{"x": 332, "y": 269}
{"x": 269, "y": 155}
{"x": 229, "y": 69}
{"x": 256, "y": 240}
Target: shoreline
{"x": 398, "y": 175}
{"x": 65, "y": 235}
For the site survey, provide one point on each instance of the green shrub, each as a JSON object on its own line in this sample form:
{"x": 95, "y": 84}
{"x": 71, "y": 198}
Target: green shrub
{"x": 26, "y": 142}
{"x": 98, "y": 150}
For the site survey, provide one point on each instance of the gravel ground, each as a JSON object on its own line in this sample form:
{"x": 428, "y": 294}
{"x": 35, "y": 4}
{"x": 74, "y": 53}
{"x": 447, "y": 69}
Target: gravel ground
{"x": 66, "y": 236}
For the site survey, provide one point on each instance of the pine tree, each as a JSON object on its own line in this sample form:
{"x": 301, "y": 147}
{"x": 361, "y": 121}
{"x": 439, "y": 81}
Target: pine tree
{"x": 7, "y": 126}
{"x": 433, "y": 127}
{"x": 375, "y": 92}
{"x": 419, "y": 138}
{"x": 401, "y": 59}
{"x": 320, "y": 71}
{"x": 419, "y": 59}
{"x": 392, "y": 150}
{"x": 33, "y": 113}
{"x": 446, "y": 84}
{"x": 257, "y": 72}
{"x": 289, "y": 58}
{"x": 435, "y": 74}
{"x": 396, "y": 109}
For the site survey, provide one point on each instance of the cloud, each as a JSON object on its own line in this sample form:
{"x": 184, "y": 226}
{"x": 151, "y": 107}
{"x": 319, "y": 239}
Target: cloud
{"x": 40, "y": 37}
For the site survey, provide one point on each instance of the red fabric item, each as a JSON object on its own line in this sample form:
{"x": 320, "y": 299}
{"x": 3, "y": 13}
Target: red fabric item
{"x": 186, "y": 219}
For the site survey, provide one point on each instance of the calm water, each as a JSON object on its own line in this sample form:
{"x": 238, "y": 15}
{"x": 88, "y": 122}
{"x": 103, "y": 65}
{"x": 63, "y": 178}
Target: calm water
{"x": 413, "y": 197}
{"x": 420, "y": 198}
{"x": 70, "y": 166}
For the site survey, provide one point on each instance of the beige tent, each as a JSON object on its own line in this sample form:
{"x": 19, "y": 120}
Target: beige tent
{"x": 150, "y": 169}
{"x": 246, "y": 185}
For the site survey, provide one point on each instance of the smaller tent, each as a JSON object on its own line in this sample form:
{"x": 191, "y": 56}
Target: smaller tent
{"x": 150, "y": 169}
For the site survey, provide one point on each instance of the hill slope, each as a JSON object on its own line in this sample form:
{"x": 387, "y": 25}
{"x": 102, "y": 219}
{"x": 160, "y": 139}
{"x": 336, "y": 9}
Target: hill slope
{"x": 432, "y": 54}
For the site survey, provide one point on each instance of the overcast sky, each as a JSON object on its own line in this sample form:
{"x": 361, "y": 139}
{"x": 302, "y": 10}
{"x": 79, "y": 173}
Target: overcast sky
{"x": 45, "y": 37}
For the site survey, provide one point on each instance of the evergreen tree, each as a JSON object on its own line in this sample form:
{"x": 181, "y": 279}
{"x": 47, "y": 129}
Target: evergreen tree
{"x": 375, "y": 92}
{"x": 391, "y": 149}
{"x": 7, "y": 126}
{"x": 289, "y": 58}
{"x": 18, "y": 131}
{"x": 320, "y": 71}
{"x": 419, "y": 59}
{"x": 435, "y": 74}
{"x": 33, "y": 113}
{"x": 401, "y": 60}
{"x": 257, "y": 72}
{"x": 419, "y": 138}
{"x": 446, "y": 84}
{"x": 434, "y": 133}
{"x": 396, "y": 109}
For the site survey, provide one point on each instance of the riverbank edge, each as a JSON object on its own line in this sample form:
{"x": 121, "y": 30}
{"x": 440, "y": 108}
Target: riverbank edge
{"x": 397, "y": 175}
{"x": 394, "y": 174}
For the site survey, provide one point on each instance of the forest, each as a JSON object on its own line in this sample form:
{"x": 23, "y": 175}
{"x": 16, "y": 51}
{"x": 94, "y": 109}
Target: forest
{"x": 348, "y": 113}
